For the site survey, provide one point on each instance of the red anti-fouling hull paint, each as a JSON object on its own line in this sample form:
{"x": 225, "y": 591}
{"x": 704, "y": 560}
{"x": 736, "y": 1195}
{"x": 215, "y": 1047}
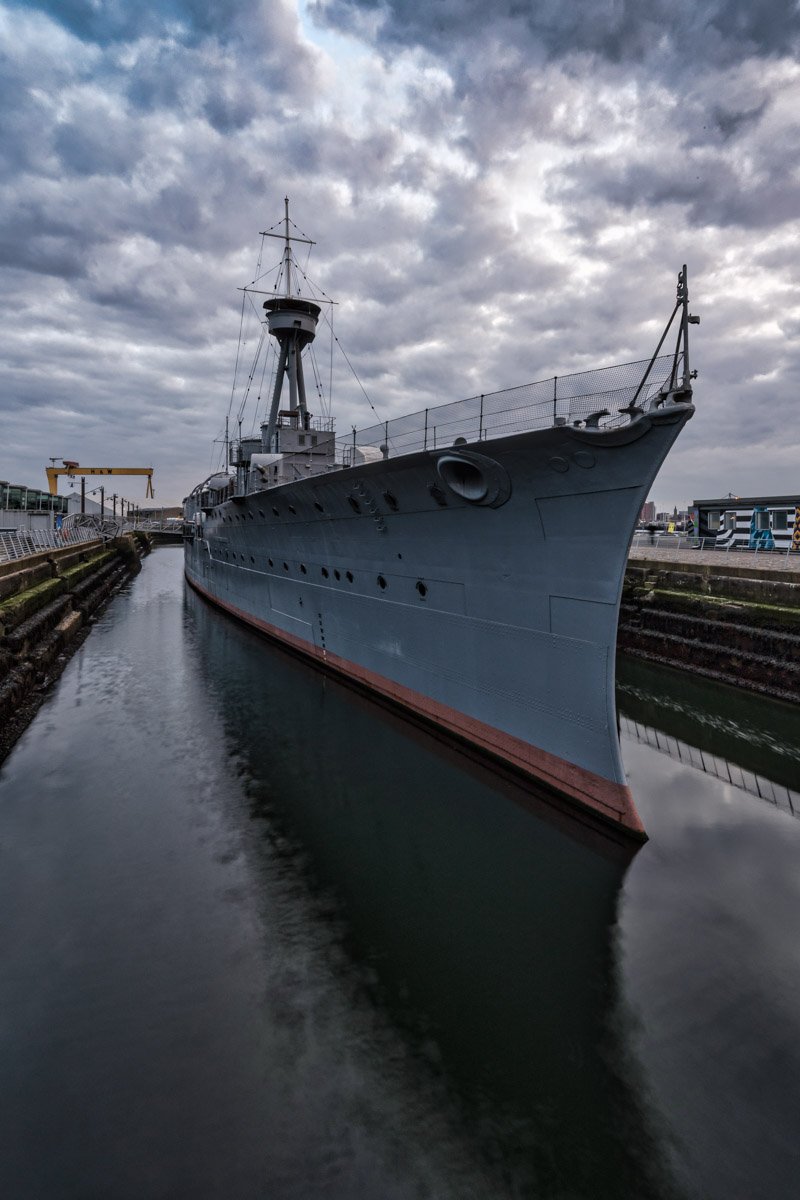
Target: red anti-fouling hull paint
{"x": 589, "y": 794}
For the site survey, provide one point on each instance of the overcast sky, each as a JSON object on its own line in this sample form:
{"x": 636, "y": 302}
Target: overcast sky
{"x": 500, "y": 190}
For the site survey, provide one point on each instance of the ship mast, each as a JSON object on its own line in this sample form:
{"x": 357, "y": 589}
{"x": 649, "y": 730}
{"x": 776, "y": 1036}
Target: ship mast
{"x": 292, "y": 321}
{"x": 287, "y": 254}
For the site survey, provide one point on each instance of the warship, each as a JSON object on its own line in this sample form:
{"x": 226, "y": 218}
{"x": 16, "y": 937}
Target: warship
{"x": 463, "y": 563}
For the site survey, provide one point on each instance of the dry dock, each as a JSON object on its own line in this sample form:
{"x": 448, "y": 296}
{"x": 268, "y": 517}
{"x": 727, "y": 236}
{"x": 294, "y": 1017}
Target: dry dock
{"x": 733, "y": 617}
{"x": 47, "y": 601}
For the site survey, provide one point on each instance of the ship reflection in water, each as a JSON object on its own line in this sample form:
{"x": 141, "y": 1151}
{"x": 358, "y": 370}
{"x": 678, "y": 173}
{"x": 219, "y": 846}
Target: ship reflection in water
{"x": 291, "y": 947}
{"x": 480, "y": 931}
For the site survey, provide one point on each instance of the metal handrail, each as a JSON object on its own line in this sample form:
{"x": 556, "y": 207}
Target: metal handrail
{"x": 644, "y": 540}
{"x": 600, "y": 398}
{"x": 21, "y": 543}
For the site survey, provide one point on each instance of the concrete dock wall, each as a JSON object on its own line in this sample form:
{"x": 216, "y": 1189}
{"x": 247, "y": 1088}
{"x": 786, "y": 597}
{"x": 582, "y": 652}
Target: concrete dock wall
{"x": 47, "y": 602}
{"x": 735, "y": 621}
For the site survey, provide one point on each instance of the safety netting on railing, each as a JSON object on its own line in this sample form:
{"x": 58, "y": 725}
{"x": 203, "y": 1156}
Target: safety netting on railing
{"x": 587, "y": 398}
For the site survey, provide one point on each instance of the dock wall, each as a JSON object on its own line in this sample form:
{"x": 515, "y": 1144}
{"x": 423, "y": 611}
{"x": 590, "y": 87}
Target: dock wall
{"x": 731, "y": 621}
{"x": 47, "y": 602}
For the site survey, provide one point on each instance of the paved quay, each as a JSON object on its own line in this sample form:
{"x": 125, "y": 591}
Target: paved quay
{"x": 755, "y": 562}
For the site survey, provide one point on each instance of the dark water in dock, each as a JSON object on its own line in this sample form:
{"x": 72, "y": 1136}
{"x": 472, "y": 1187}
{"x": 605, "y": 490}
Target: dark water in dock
{"x": 259, "y": 939}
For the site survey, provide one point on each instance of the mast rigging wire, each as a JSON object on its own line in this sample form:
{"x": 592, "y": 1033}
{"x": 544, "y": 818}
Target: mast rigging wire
{"x": 316, "y": 292}
{"x": 238, "y": 350}
{"x": 314, "y": 289}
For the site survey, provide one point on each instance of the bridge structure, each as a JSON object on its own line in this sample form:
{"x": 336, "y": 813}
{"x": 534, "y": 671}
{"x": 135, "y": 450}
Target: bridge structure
{"x": 161, "y": 530}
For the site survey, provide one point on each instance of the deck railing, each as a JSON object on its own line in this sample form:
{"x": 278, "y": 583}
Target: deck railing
{"x": 599, "y": 398}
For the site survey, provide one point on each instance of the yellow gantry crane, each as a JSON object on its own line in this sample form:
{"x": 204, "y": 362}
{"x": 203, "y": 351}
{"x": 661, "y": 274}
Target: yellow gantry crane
{"x": 72, "y": 469}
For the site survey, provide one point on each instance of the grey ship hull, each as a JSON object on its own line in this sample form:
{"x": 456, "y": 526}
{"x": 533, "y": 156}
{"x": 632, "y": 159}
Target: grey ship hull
{"x": 494, "y": 619}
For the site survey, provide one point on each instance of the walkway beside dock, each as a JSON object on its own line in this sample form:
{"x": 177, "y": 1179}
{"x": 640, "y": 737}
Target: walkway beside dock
{"x": 753, "y": 561}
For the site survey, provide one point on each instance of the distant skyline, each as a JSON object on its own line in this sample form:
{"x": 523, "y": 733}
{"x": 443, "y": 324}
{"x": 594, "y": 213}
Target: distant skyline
{"x": 498, "y": 193}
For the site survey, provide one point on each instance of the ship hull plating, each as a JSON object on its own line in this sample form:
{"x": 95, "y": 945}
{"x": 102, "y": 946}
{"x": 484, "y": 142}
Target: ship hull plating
{"x": 477, "y": 587}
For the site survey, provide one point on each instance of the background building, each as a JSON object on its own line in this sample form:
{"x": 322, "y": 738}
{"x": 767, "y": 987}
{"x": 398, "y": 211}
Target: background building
{"x": 23, "y": 507}
{"x": 749, "y": 522}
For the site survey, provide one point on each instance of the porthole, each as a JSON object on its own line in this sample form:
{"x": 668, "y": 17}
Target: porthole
{"x": 274, "y": 509}
{"x": 251, "y": 516}
{"x": 349, "y": 576}
{"x": 438, "y": 495}
{"x": 422, "y": 588}
{"x": 252, "y": 560}
{"x": 381, "y": 583}
{"x": 391, "y": 500}
{"x": 303, "y": 568}
{"x": 286, "y": 566}
{"x": 261, "y": 512}
{"x": 271, "y": 563}
{"x": 336, "y": 575}
{"x": 324, "y": 572}
{"x": 293, "y": 510}
{"x": 356, "y": 507}
{"x": 318, "y": 506}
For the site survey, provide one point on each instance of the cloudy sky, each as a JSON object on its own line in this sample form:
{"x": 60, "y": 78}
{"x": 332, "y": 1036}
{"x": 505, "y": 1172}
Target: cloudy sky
{"x": 500, "y": 190}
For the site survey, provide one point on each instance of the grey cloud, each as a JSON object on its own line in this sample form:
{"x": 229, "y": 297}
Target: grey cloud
{"x": 160, "y": 77}
{"x": 709, "y": 189}
{"x": 119, "y": 20}
{"x": 150, "y": 237}
{"x": 227, "y": 86}
{"x": 21, "y": 144}
{"x": 621, "y": 31}
{"x": 231, "y": 106}
{"x": 33, "y": 73}
{"x": 44, "y": 243}
{"x": 93, "y": 142}
{"x": 731, "y": 122}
